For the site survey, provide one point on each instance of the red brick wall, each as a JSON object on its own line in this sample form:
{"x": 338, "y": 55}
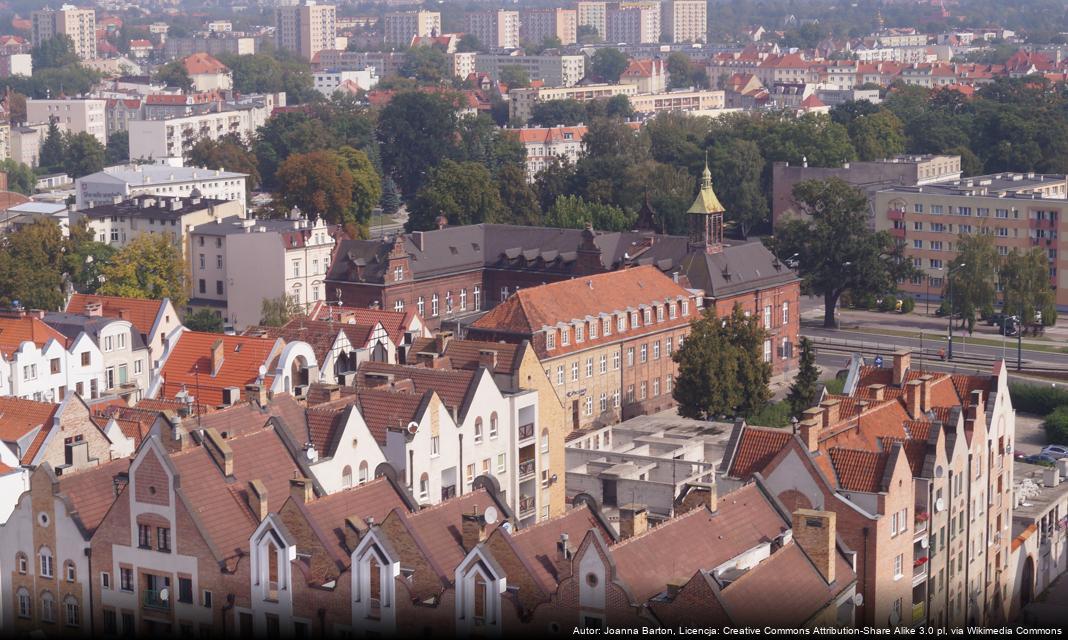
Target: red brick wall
{"x": 151, "y": 481}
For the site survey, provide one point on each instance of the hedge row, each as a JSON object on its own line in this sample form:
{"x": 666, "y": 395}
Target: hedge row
{"x": 1037, "y": 399}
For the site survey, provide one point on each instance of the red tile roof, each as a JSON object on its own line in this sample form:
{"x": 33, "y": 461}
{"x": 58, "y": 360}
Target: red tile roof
{"x": 451, "y": 385}
{"x": 141, "y": 312}
{"x": 375, "y": 499}
{"x": 201, "y": 63}
{"x": 440, "y": 527}
{"x": 756, "y": 448}
{"x": 394, "y": 322}
{"x": 93, "y": 491}
{"x": 859, "y": 470}
{"x": 18, "y": 417}
{"x": 383, "y": 410}
{"x": 537, "y": 543}
{"x": 321, "y": 335}
{"x": 744, "y": 519}
{"x": 189, "y": 365}
{"x": 15, "y": 331}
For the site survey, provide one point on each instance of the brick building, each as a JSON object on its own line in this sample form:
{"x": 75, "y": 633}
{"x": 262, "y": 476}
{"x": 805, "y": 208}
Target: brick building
{"x": 918, "y": 468}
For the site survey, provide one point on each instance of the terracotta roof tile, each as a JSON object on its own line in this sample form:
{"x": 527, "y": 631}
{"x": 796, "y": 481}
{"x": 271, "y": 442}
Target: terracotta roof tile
{"x": 744, "y": 518}
{"x": 141, "y": 312}
{"x": 383, "y": 410}
{"x": 93, "y": 491}
{"x": 440, "y": 527}
{"x": 537, "y": 543}
{"x": 451, "y": 385}
{"x": 394, "y": 322}
{"x": 189, "y": 365}
{"x": 18, "y": 417}
{"x": 15, "y": 331}
{"x": 756, "y": 449}
{"x": 859, "y": 470}
{"x": 320, "y": 335}
{"x": 201, "y": 63}
{"x": 375, "y": 499}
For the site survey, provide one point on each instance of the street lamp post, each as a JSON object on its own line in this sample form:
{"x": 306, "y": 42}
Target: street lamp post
{"x": 949, "y": 276}
{"x": 929, "y": 291}
{"x": 836, "y": 322}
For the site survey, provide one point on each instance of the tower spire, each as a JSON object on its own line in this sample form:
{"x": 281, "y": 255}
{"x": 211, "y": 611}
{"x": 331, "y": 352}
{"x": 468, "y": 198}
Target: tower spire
{"x": 706, "y": 216}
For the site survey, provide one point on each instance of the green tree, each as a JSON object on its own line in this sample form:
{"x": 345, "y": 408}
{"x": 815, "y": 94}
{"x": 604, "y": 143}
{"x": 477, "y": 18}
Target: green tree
{"x": 878, "y": 135}
{"x": 1026, "y": 286}
{"x": 683, "y": 73}
{"x": 173, "y": 74}
{"x": 972, "y": 275}
{"x": 608, "y": 64}
{"x": 391, "y": 201}
{"x": 803, "y": 392}
{"x": 469, "y": 44}
{"x": 54, "y": 53}
{"x": 275, "y": 312}
{"x": 85, "y": 257}
{"x": 721, "y": 367}
{"x": 51, "y": 158}
{"x": 20, "y": 177}
{"x": 515, "y": 76}
{"x": 736, "y": 166}
{"x": 618, "y": 107}
{"x": 518, "y": 198}
{"x": 118, "y": 148}
{"x": 204, "y": 320}
{"x": 229, "y": 153}
{"x": 417, "y": 131}
{"x": 480, "y": 140}
{"x": 30, "y": 266}
{"x": 552, "y": 113}
{"x": 271, "y": 72}
{"x": 284, "y": 135}
{"x": 366, "y": 183}
{"x": 425, "y": 64}
{"x": 572, "y": 212}
{"x": 82, "y": 154}
{"x": 836, "y": 249}
{"x": 150, "y": 266}
{"x": 320, "y": 184}
{"x": 553, "y": 181}
{"x": 463, "y": 192}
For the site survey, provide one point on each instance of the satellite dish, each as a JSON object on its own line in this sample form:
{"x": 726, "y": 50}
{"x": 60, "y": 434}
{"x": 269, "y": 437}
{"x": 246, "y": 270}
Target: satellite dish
{"x": 507, "y": 526}
{"x": 858, "y": 600}
{"x": 164, "y": 594}
{"x": 413, "y": 427}
{"x": 940, "y": 505}
{"x": 263, "y": 370}
{"x": 491, "y": 515}
{"x": 923, "y": 543}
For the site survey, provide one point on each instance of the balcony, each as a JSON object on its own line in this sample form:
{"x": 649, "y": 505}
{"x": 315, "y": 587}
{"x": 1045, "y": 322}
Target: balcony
{"x": 526, "y": 506}
{"x": 151, "y": 600}
{"x": 526, "y": 431}
{"x": 897, "y": 233}
{"x": 919, "y": 570}
{"x": 920, "y": 525}
{"x": 895, "y": 214}
{"x": 527, "y": 468}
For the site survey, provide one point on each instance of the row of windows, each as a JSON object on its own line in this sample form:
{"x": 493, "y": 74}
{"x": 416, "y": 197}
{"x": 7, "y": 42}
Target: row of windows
{"x": 45, "y": 565}
{"x": 602, "y": 364}
{"x": 583, "y": 330}
{"x": 980, "y": 212}
{"x": 450, "y": 302}
{"x": 71, "y": 608}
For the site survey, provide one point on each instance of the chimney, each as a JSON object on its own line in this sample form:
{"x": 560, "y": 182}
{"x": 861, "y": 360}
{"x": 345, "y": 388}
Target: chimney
{"x": 300, "y": 489}
{"x": 488, "y": 358}
{"x": 814, "y": 531}
{"x": 926, "y": 382}
{"x": 442, "y": 222}
{"x": 219, "y": 450}
{"x": 474, "y": 529}
{"x": 353, "y": 531}
{"x": 563, "y": 556}
{"x": 902, "y": 362}
{"x": 878, "y": 391}
{"x": 256, "y": 393}
{"x": 322, "y": 393}
{"x": 442, "y": 339}
{"x": 699, "y": 494}
{"x": 975, "y": 413}
{"x": 257, "y": 499}
{"x": 913, "y": 392}
{"x": 1051, "y": 477}
{"x": 633, "y": 520}
{"x": 673, "y": 588}
{"x": 809, "y": 431}
{"x": 830, "y": 413}
{"x": 216, "y": 356}
{"x": 94, "y": 309}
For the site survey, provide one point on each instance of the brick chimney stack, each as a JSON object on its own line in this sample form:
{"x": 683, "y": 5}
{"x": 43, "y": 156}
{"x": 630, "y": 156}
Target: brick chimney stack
{"x": 902, "y": 362}
{"x": 257, "y": 499}
{"x": 301, "y": 490}
{"x": 633, "y": 520}
{"x": 913, "y": 393}
{"x": 474, "y": 529}
{"x": 814, "y": 532}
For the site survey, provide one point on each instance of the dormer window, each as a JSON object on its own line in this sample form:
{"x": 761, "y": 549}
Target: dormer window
{"x": 634, "y": 320}
{"x": 398, "y": 274}
{"x": 647, "y": 316}
{"x": 565, "y": 336}
{"x": 673, "y": 311}
{"x": 685, "y": 308}
{"x": 593, "y": 330}
{"x": 579, "y": 332}
{"x": 606, "y": 327}
{"x": 659, "y": 313}
{"x": 621, "y": 323}
{"x": 550, "y": 339}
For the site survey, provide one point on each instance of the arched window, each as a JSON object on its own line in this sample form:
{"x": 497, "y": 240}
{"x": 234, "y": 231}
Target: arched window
{"x": 346, "y": 476}
{"x": 478, "y": 430}
{"x": 25, "y": 608}
{"x": 47, "y": 569}
{"x": 493, "y": 424}
{"x": 72, "y": 611}
{"x": 22, "y": 563}
{"x": 363, "y": 472}
{"x": 424, "y": 486}
{"x": 545, "y": 441}
{"x": 48, "y": 607}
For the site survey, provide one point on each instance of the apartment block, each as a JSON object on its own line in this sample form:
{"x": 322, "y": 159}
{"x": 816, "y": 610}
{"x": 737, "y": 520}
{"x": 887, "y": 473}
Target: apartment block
{"x": 521, "y": 101}
{"x": 154, "y": 320}
{"x": 693, "y": 101}
{"x": 553, "y": 71}
{"x": 545, "y": 145}
{"x": 16, "y": 64}
{"x": 235, "y": 263}
{"x": 917, "y": 466}
{"x": 174, "y": 137}
{"x": 127, "y": 180}
{"x": 78, "y": 24}
{"x": 306, "y": 28}
{"x": 400, "y": 27}
{"x": 592, "y": 14}
{"x": 1020, "y": 211}
{"x": 684, "y": 20}
{"x": 73, "y": 115}
{"x": 214, "y": 44}
{"x": 537, "y": 25}
{"x": 328, "y": 81}
{"x": 496, "y": 29}
{"x": 633, "y": 22}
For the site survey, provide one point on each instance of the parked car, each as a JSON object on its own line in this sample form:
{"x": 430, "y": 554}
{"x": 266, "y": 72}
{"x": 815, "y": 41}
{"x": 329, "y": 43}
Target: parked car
{"x": 1055, "y": 451}
{"x": 1039, "y": 458}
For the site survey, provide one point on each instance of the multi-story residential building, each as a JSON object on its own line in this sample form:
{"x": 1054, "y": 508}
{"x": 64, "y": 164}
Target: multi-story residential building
{"x": 16, "y": 64}
{"x": 790, "y": 68}
{"x": 306, "y": 28}
{"x": 400, "y": 27}
{"x": 650, "y": 76}
{"x": 207, "y": 73}
{"x": 463, "y": 63}
{"x": 125, "y": 357}
{"x": 918, "y": 468}
{"x": 236, "y": 263}
{"x": 521, "y": 101}
{"x": 684, "y": 20}
{"x": 173, "y": 216}
{"x": 606, "y": 341}
{"x": 633, "y": 22}
{"x": 545, "y": 145}
{"x": 538, "y": 25}
{"x": 73, "y": 115}
{"x": 905, "y": 170}
{"x": 77, "y": 24}
{"x": 154, "y": 320}
{"x": 691, "y": 101}
{"x": 592, "y": 14}
{"x": 125, "y": 181}
{"x": 552, "y": 71}
{"x": 328, "y": 81}
{"x": 42, "y": 364}
{"x": 1021, "y": 211}
{"x": 1039, "y": 552}
{"x": 174, "y": 137}
{"x": 495, "y": 29}
{"x": 213, "y": 44}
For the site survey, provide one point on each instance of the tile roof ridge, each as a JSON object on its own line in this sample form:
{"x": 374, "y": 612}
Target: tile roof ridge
{"x": 451, "y": 502}
{"x": 668, "y": 523}
{"x": 347, "y": 491}
{"x": 572, "y": 510}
